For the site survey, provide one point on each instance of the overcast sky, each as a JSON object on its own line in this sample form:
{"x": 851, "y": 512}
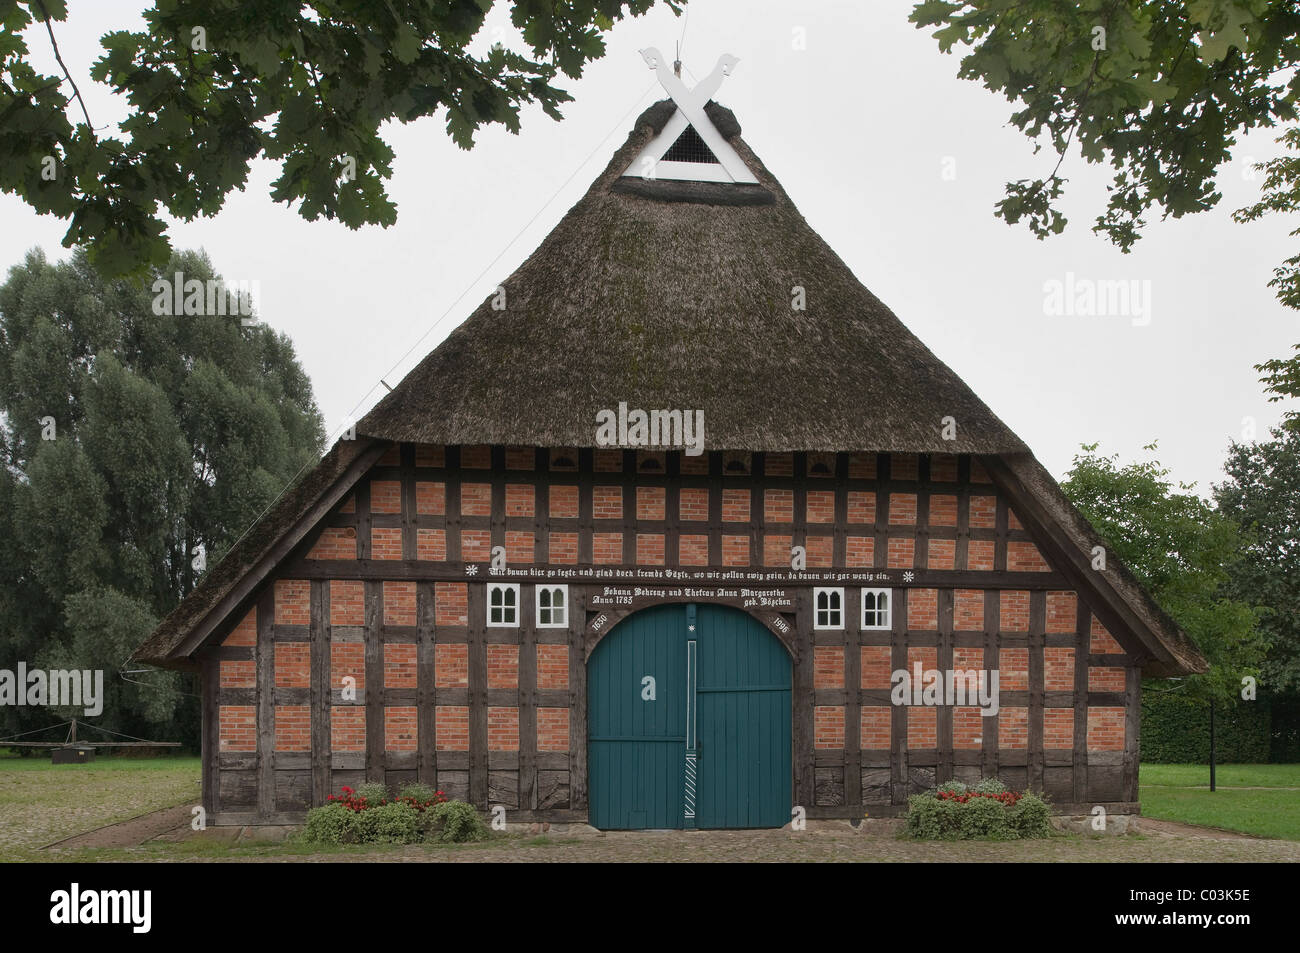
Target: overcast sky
{"x": 896, "y": 163}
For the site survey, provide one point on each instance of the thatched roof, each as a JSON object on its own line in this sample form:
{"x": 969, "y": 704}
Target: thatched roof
{"x": 678, "y": 296}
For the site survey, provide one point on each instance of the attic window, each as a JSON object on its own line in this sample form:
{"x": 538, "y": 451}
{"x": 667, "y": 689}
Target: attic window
{"x": 735, "y": 463}
{"x": 821, "y": 464}
{"x": 689, "y": 147}
{"x": 651, "y": 461}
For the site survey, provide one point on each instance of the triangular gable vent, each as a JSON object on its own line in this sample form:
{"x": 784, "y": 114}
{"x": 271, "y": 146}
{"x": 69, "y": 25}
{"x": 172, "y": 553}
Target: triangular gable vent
{"x": 690, "y": 148}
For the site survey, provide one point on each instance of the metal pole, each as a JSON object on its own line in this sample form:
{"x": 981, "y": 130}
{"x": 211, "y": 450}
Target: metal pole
{"x": 1211, "y": 744}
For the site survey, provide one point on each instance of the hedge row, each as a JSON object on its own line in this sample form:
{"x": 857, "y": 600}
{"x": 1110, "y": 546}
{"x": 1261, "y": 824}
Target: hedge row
{"x": 1175, "y": 732}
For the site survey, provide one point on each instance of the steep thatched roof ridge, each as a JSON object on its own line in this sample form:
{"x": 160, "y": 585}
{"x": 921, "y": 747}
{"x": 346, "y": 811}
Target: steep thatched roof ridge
{"x": 686, "y": 304}
{"x": 281, "y": 526}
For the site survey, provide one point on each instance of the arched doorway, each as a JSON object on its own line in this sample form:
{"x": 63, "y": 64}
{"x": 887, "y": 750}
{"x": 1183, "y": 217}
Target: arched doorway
{"x": 688, "y": 721}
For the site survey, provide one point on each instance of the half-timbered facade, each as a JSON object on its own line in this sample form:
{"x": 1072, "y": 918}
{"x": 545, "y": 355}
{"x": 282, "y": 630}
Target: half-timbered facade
{"x": 478, "y": 591}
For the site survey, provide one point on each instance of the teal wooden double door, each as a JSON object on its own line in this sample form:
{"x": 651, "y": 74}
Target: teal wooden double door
{"x": 688, "y": 722}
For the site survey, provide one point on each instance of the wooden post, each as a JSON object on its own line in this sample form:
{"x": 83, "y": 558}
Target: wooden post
{"x": 802, "y": 703}
{"x": 374, "y": 669}
{"x": 320, "y": 692}
{"x": 425, "y": 693}
{"x": 1037, "y": 686}
{"x": 209, "y": 747}
{"x": 943, "y": 769}
{"x": 265, "y": 703}
{"x": 1132, "y": 728}
{"x": 478, "y": 733}
{"x": 527, "y": 674}
{"x": 577, "y": 704}
{"x": 992, "y": 642}
{"x": 899, "y": 781}
{"x": 1079, "y": 754}
{"x": 852, "y": 649}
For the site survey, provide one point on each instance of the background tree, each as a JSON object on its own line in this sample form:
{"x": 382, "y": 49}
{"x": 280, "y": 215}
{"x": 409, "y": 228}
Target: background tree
{"x": 1262, "y": 494}
{"x": 1158, "y": 89}
{"x": 169, "y": 433}
{"x": 1181, "y": 549}
{"x": 212, "y": 85}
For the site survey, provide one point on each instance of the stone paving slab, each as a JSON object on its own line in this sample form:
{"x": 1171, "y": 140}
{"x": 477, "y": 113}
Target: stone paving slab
{"x": 131, "y": 832}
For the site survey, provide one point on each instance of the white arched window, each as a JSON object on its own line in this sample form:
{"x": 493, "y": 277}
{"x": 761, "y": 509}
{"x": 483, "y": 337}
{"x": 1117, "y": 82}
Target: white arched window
{"x": 503, "y": 603}
{"x": 552, "y": 607}
{"x": 828, "y": 608}
{"x": 876, "y": 608}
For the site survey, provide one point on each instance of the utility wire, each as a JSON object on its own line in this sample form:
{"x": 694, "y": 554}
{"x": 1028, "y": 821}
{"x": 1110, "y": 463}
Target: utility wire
{"x": 35, "y": 731}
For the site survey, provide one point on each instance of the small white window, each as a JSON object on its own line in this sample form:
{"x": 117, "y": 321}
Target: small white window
{"x": 503, "y": 603}
{"x": 828, "y": 608}
{"x": 875, "y": 609}
{"x": 552, "y": 607}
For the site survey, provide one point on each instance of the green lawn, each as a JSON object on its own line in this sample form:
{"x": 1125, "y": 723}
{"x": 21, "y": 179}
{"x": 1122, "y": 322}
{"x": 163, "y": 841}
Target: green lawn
{"x": 42, "y": 802}
{"x": 1260, "y": 799}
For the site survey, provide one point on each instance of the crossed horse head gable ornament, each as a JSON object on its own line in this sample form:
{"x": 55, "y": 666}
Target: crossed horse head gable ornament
{"x": 651, "y": 164}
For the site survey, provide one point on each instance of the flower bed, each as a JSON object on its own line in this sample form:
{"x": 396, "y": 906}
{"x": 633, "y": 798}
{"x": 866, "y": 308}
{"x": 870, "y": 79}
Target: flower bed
{"x": 369, "y": 815}
{"x": 417, "y": 796}
{"x": 982, "y": 811}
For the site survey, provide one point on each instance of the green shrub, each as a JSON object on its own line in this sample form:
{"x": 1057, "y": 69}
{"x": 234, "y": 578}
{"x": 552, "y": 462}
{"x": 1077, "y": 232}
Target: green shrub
{"x": 394, "y": 823}
{"x": 952, "y": 787}
{"x": 453, "y": 822}
{"x": 418, "y": 791}
{"x": 929, "y": 818}
{"x": 1030, "y": 817}
{"x": 982, "y": 818}
{"x": 375, "y": 792}
{"x": 988, "y": 786}
{"x": 331, "y": 824}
